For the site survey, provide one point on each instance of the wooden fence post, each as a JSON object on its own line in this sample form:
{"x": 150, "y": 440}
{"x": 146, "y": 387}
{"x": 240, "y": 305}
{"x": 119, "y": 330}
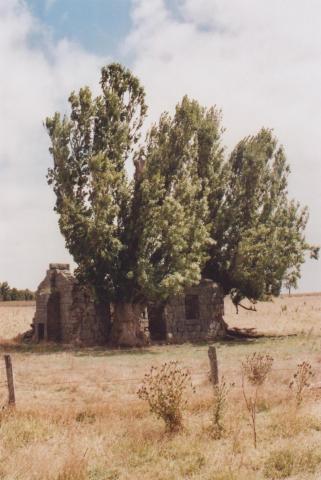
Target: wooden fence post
{"x": 213, "y": 364}
{"x": 12, "y": 399}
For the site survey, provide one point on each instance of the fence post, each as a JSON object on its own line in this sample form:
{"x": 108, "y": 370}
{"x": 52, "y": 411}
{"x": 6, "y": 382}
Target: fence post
{"x": 213, "y": 364}
{"x": 12, "y": 400}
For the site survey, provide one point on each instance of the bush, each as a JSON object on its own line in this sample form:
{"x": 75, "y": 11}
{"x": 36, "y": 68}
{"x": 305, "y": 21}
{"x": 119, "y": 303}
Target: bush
{"x": 163, "y": 388}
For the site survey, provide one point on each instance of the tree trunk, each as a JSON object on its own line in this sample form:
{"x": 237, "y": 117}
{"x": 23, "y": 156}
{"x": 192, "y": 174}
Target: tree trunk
{"x": 129, "y": 327}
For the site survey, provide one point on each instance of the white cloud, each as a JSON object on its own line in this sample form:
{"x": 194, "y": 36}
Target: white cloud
{"x": 257, "y": 60}
{"x": 36, "y": 77}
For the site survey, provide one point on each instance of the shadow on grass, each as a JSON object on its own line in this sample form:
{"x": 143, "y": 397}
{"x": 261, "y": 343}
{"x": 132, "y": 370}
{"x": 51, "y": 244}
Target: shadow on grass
{"x": 48, "y": 348}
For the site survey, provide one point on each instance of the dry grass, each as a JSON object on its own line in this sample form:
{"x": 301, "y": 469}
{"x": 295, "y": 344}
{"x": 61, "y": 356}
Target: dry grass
{"x": 78, "y": 415}
{"x": 15, "y": 318}
{"x": 282, "y": 316}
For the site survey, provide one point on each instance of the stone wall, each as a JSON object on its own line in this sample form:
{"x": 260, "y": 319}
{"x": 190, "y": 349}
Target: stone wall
{"x": 206, "y": 324}
{"x": 66, "y": 311}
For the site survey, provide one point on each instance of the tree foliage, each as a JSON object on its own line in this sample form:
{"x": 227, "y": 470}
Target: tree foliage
{"x": 258, "y": 230}
{"x": 9, "y": 294}
{"x": 132, "y": 240}
{"x": 93, "y": 194}
{"x": 188, "y": 211}
{"x": 174, "y": 195}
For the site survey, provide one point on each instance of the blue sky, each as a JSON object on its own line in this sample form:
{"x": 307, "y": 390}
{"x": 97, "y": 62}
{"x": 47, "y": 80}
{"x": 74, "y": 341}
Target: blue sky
{"x": 258, "y": 61}
{"x": 98, "y": 25}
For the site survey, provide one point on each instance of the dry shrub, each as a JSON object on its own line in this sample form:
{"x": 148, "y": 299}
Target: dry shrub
{"x": 255, "y": 369}
{"x": 301, "y": 380}
{"x": 163, "y": 388}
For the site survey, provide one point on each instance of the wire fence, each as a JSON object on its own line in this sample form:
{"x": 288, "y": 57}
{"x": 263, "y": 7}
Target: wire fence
{"x": 100, "y": 383}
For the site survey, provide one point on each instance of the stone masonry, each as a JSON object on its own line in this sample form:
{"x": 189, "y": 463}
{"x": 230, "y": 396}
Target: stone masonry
{"x": 195, "y": 316}
{"x": 66, "y": 312}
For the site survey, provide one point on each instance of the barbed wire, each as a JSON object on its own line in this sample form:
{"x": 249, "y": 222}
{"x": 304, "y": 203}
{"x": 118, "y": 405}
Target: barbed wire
{"x": 20, "y": 384}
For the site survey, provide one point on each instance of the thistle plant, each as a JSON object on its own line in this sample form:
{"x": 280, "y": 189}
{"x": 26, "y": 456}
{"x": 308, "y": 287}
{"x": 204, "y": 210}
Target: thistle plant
{"x": 301, "y": 380}
{"x": 163, "y": 388}
{"x": 255, "y": 369}
{"x": 221, "y": 392}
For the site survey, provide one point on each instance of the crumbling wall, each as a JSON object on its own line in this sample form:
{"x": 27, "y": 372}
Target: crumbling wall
{"x": 66, "y": 311}
{"x": 207, "y": 323}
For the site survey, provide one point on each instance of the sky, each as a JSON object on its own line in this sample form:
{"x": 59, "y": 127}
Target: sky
{"x": 258, "y": 61}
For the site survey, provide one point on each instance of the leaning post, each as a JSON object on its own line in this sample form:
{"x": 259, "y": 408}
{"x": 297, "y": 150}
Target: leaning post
{"x": 8, "y": 363}
{"x": 213, "y": 364}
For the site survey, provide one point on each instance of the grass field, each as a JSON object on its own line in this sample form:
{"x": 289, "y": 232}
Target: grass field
{"x": 78, "y": 415}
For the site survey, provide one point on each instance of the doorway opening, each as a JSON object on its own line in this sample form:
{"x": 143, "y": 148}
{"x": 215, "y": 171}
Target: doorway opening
{"x": 157, "y": 323}
{"x": 40, "y": 331}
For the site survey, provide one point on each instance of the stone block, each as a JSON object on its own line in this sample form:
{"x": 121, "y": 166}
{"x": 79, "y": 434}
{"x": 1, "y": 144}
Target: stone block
{"x": 59, "y": 266}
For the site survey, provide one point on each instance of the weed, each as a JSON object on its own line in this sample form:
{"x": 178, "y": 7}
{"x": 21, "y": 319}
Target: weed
{"x": 221, "y": 391}
{"x": 163, "y": 388}
{"x": 301, "y": 380}
{"x": 255, "y": 368}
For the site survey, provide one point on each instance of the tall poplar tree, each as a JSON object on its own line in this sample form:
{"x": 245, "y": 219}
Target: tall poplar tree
{"x": 257, "y": 231}
{"x": 187, "y": 212}
{"x": 133, "y": 241}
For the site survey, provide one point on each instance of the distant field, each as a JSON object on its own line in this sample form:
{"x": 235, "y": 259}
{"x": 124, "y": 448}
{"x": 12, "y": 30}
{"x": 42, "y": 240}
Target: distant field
{"x": 283, "y": 315}
{"x": 19, "y": 303}
{"x": 15, "y": 318}
{"x": 78, "y": 416}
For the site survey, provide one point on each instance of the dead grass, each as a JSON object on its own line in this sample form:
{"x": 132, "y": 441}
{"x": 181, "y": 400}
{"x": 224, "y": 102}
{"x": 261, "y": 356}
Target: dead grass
{"x": 15, "y": 318}
{"x": 282, "y": 316}
{"x": 78, "y": 415}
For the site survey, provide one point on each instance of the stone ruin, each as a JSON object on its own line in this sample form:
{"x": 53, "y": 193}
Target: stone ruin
{"x": 67, "y": 313}
{"x": 197, "y": 315}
